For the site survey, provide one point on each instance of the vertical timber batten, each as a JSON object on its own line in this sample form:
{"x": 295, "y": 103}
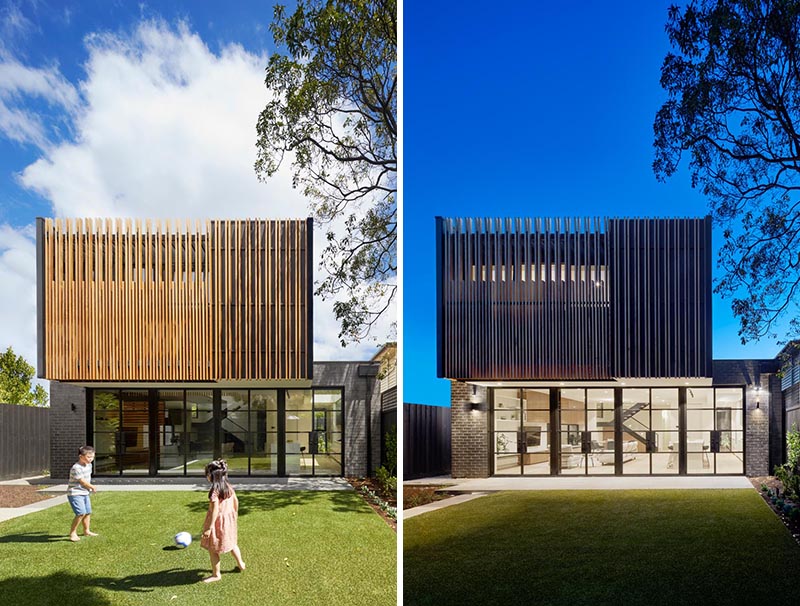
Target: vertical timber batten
{"x": 553, "y": 299}
{"x": 174, "y": 301}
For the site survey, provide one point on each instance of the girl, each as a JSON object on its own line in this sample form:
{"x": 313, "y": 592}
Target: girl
{"x": 220, "y": 528}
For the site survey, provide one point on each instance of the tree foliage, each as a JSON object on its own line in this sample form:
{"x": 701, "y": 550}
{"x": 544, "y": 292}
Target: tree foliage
{"x": 16, "y": 377}
{"x": 733, "y": 109}
{"x": 333, "y": 115}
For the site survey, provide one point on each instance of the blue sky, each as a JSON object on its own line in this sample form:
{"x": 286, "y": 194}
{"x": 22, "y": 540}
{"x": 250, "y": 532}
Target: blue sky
{"x": 530, "y": 109}
{"x": 126, "y": 109}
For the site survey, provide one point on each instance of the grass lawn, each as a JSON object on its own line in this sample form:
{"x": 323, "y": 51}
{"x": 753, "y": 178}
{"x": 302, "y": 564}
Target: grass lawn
{"x": 671, "y": 547}
{"x": 301, "y": 548}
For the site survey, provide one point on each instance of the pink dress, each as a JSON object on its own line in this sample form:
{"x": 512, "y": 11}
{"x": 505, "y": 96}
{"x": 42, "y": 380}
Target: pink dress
{"x": 224, "y": 532}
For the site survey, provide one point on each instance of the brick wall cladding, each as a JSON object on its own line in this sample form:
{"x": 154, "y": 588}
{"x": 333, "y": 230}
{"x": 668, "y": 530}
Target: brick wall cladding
{"x": 356, "y": 391}
{"x": 763, "y": 424}
{"x": 67, "y": 427}
{"x": 469, "y": 432}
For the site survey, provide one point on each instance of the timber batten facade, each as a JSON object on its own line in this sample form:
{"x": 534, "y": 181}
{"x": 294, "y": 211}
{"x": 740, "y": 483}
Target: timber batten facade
{"x": 123, "y": 300}
{"x": 573, "y": 299}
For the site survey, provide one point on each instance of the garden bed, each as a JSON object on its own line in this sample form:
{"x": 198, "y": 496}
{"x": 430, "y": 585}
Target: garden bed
{"x": 372, "y": 485}
{"x": 415, "y": 496}
{"x": 19, "y": 495}
{"x": 773, "y": 485}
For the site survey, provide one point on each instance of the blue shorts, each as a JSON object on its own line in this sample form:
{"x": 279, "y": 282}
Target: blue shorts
{"x": 80, "y": 504}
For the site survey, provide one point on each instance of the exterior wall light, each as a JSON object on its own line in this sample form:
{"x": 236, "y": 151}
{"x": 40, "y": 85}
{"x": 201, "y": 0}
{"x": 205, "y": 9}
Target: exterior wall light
{"x": 475, "y": 403}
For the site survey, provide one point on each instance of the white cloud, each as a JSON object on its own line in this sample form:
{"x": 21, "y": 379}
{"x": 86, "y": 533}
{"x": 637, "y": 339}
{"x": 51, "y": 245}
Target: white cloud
{"x": 18, "y": 84}
{"x": 18, "y": 303}
{"x": 13, "y": 23}
{"x": 163, "y": 128}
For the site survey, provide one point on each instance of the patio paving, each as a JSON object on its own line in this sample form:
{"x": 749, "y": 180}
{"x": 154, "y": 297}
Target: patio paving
{"x": 58, "y": 488}
{"x": 475, "y": 488}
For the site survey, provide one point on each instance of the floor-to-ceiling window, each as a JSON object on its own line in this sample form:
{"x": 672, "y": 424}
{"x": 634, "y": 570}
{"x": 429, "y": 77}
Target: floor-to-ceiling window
{"x": 600, "y": 431}
{"x": 625, "y": 430}
{"x": 714, "y": 431}
{"x": 178, "y": 431}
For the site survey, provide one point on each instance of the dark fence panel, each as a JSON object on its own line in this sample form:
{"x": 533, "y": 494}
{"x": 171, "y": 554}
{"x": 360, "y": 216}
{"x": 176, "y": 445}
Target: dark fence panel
{"x": 388, "y": 419}
{"x": 24, "y": 441}
{"x": 426, "y": 441}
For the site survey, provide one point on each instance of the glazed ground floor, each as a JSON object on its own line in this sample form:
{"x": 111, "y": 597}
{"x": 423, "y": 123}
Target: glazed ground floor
{"x": 329, "y": 426}
{"x": 178, "y": 431}
{"x": 625, "y": 430}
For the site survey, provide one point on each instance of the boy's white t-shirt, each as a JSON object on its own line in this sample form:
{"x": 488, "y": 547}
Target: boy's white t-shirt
{"x": 79, "y": 472}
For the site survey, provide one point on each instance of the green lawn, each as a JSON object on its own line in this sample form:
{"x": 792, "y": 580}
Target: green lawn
{"x": 301, "y": 548}
{"x": 670, "y": 547}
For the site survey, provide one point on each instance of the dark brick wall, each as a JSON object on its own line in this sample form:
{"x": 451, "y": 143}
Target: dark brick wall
{"x": 469, "y": 432}
{"x": 763, "y": 425}
{"x": 356, "y": 391}
{"x": 67, "y": 427}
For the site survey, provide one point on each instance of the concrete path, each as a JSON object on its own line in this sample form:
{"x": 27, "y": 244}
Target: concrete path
{"x": 462, "y": 498}
{"x": 483, "y": 486}
{"x": 240, "y": 484}
{"x": 601, "y": 483}
{"x": 150, "y": 484}
{"x": 8, "y": 513}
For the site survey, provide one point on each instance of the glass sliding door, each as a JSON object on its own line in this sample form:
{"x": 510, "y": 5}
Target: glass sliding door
{"x": 199, "y": 430}
{"x": 573, "y": 454}
{"x": 664, "y": 421}
{"x": 600, "y": 431}
{"x": 536, "y": 437}
{"x": 106, "y": 441}
{"x": 299, "y": 415}
{"x": 171, "y": 432}
{"x": 636, "y": 430}
{"x": 327, "y": 433}
{"x": 264, "y": 432}
{"x": 728, "y": 442}
{"x": 234, "y": 430}
{"x": 135, "y": 432}
{"x": 699, "y": 429}
{"x": 507, "y": 436}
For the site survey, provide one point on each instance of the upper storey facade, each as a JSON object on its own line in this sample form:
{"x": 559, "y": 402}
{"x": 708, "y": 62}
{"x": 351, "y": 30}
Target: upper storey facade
{"x": 573, "y": 299}
{"x": 132, "y": 301}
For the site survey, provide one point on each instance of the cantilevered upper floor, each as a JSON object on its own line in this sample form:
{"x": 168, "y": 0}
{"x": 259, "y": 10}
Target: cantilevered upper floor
{"x": 124, "y": 300}
{"x": 556, "y": 299}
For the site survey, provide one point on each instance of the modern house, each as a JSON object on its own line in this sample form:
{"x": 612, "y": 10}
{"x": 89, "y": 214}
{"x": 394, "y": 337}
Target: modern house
{"x": 168, "y": 344}
{"x": 583, "y": 347}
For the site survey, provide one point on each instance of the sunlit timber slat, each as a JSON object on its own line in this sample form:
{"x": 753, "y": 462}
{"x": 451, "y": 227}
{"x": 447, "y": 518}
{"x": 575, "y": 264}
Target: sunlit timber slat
{"x": 174, "y": 301}
{"x": 556, "y": 299}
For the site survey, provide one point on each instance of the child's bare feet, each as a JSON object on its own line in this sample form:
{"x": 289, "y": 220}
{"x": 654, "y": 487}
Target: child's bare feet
{"x": 74, "y": 538}
{"x": 89, "y": 533}
{"x": 212, "y": 579}
{"x": 241, "y": 566}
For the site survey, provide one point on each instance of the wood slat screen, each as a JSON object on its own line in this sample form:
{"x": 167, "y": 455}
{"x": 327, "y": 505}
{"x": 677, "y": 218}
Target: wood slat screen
{"x": 124, "y": 300}
{"x": 522, "y": 299}
{"x": 556, "y": 299}
{"x": 661, "y": 294}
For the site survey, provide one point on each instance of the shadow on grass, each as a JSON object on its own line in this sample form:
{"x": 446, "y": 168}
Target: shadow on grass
{"x": 68, "y": 588}
{"x": 341, "y": 501}
{"x": 33, "y": 537}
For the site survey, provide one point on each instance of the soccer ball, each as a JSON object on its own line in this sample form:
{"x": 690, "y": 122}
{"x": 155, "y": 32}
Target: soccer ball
{"x": 183, "y": 539}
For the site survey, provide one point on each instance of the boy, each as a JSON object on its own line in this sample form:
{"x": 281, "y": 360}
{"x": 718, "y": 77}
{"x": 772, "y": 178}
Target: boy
{"x": 80, "y": 486}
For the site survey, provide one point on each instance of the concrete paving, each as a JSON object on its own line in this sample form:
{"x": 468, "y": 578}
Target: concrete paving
{"x": 601, "y": 483}
{"x": 151, "y": 484}
{"x": 8, "y": 513}
{"x": 462, "y": 498}
{"x": 476, "y": 488}
{"x": 58, "y": 490}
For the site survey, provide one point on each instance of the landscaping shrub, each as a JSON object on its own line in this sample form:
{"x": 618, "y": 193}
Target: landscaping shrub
{"x": 789, "y": 474}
